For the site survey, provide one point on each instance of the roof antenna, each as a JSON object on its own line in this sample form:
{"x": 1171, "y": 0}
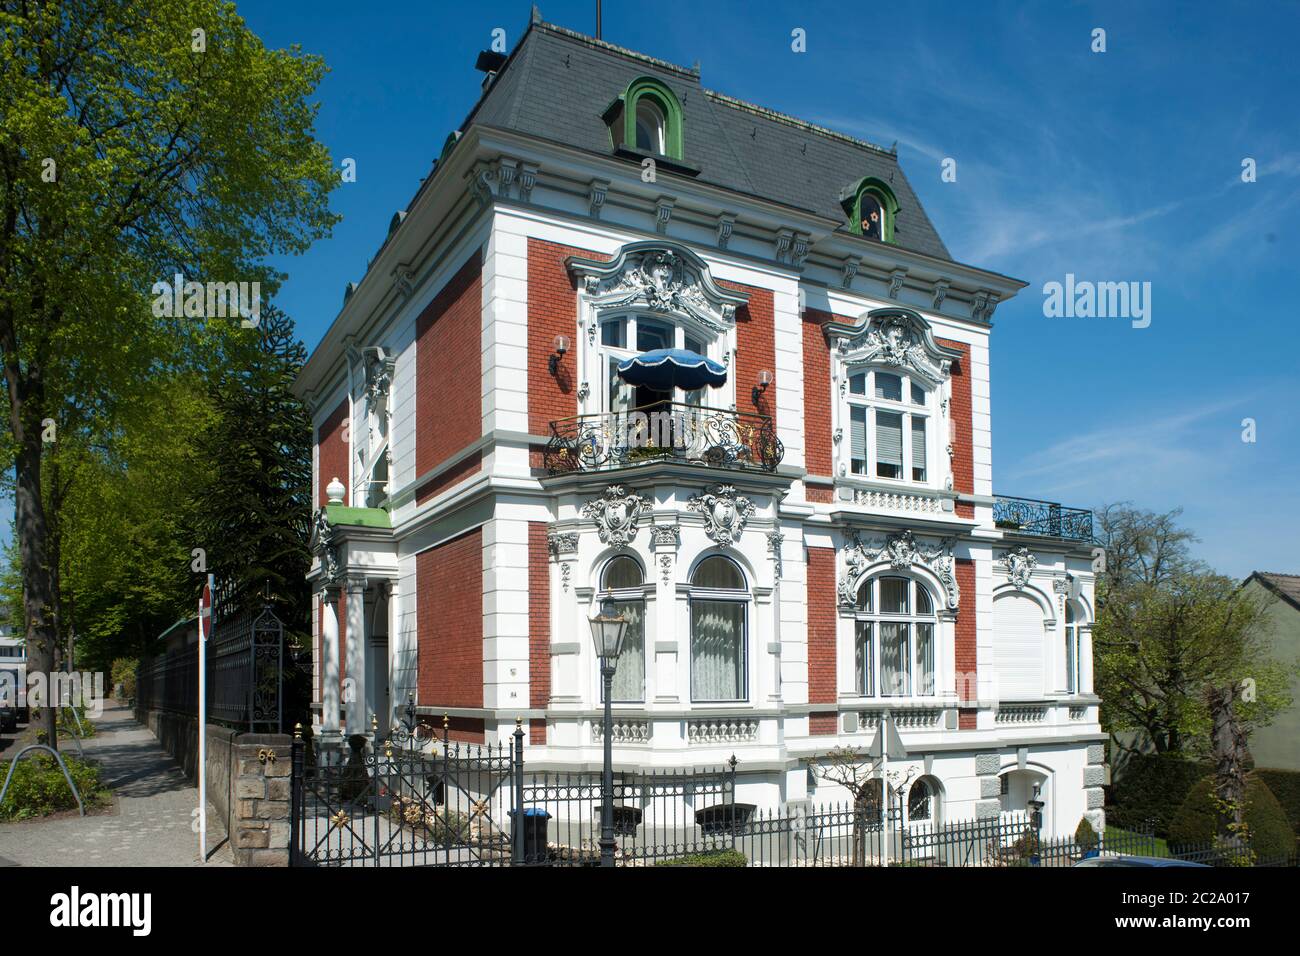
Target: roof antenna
{"x": 597, "y": 19}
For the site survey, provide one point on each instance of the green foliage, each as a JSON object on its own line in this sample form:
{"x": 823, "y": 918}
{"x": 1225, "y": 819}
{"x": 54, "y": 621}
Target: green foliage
{"x": 38, "y": 787}
{"x": 123, "y": 673}
{"x": 709, "y": 858}
{"x": 1026, "y": 844}
{"x": 1152, "y": 789}
{"x": 1285, "y": 785}
{"x": 1085, "y": 836}
{"x": 1268, "y": 832}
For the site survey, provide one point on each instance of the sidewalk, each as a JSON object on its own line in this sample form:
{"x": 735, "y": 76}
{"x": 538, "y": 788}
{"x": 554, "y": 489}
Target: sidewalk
{"x": 151, "y": 824}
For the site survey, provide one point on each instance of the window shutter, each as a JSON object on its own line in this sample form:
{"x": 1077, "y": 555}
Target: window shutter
{"x": 889, "y": 438}
{"x": 858, "y": 433}
{"x": 918, "y": 443}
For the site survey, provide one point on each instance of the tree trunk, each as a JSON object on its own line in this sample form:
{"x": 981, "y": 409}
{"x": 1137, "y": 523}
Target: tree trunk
{"x": 1228, "y": 746}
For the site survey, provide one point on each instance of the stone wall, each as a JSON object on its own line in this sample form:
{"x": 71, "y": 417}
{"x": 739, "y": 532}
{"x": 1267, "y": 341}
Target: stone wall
{"x": 262, "y": 766}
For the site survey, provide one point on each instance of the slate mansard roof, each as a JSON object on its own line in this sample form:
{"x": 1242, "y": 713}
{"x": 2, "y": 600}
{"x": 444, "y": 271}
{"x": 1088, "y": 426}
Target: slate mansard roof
{"x": 557, "y": 84}
{"x": 1285, "y": 586}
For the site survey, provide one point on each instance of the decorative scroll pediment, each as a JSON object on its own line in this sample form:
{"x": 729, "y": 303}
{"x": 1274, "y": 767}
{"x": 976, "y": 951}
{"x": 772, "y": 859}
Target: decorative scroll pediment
{"x": 661, "y": 277}
{"x": 901, "y": 550}
{"x": 898, "y": 338}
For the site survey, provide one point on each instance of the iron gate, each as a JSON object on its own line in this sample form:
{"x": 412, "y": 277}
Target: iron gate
{"x": 384, "y": 801}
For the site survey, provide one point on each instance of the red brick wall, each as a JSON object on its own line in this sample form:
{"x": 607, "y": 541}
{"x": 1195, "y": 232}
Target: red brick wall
{"x": 817, "y": 398}
{"x": 966, "y": 719}
{"x": 449, "y": 612}
{"x": 539, "y": 626}
{"x": 822, "y": 724}
{"x": 755, "y": 347}
{"x": 449, "y": 371}
{"x": 466, "y": 729}
{"x": 552, "y": 311}
{"x": 821, "y": 626}
{"x": 461, "y": 470}
{"x": 963, "y": 453}
{"x": 332, "y": 451}
{"x": 965, "y": 651}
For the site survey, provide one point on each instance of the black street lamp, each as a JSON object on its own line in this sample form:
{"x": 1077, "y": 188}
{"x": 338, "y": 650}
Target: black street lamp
{"x": 607, "y": 631}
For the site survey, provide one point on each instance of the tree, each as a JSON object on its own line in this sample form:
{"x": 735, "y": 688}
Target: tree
{"x": 252, "y": 511}
{"x": 139, "y": 139}
{"x": 1228, "y": 749}
{"x": 1166, "y": 628}
{"x": 860, "y": 774}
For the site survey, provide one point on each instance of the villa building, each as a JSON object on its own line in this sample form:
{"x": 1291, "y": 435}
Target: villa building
{"x": 813, "y": 543}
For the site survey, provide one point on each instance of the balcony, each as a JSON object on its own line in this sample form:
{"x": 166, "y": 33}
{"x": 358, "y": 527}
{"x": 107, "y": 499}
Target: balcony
{"x": 668, "y": 431}
{"x": 1043, "y": 519}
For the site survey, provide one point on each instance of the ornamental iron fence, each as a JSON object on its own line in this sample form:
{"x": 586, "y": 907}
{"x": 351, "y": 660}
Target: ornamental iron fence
{"x": 668, "y": 431}
{"x": 1044, "y": 519}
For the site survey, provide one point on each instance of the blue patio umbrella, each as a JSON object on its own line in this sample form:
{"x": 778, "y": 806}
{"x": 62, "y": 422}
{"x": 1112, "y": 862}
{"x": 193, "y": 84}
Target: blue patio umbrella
{"x": 664, "y": 369}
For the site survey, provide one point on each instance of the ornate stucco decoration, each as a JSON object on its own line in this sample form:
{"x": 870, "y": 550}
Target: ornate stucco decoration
{"x": 379, "y": 373}
{"x": 325, "y": 547}
{"x": 1019, "y": 564}
{"x": 902, "y": 551}
{"x": 562, "y": 542}
{"x": 665, "y": 536}
{"x": 725, "y": 513}
{"x": 616, "y": 514}
{"x": 894, "y": 337}
{"x": 1061, "y": 587}
{"x": 663, "y": 277}
{"x": 774, "y": 541}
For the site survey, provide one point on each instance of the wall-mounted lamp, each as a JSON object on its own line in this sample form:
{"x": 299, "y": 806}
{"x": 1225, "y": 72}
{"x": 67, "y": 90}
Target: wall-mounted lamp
{"x": 561, "y": 346}
{"x": 764, "y": 380}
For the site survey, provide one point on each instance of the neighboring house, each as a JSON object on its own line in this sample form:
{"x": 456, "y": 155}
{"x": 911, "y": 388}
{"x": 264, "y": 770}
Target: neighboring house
{"x": 13, "y": 670}
{"x": 1278, "y": 744}
{"x": 811, "y": 544}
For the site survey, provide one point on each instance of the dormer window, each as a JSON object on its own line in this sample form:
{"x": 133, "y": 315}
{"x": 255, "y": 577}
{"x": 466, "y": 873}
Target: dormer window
{"x": 872, "y": 209}
{"x": 647, "y": 117}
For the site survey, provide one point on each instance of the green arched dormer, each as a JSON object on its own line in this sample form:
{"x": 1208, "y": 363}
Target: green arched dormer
{"x": 867, "y": 196}
{"x": 649, "y": 120}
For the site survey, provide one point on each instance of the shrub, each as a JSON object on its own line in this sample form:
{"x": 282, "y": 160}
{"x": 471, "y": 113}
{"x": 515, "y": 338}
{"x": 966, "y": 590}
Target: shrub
{"x": 1026, "y": 845}
{"x": 1266, "y": 823}
{"x": 709, "y": 858}
{"x": 123, "y": 672}
{"x": 38, "y": 787}
{"x": 1285, "y": 785}
{"x": 1151, "y": 790}
{"x": 1085, "y": 836}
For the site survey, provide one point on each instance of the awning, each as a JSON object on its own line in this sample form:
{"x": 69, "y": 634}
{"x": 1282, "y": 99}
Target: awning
{"x": 672, "y": 368}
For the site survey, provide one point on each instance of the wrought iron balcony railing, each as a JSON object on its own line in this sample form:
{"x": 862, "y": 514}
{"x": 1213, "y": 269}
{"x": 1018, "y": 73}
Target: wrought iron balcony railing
{"x": 669, "y": 431}
{"x": 1046, "y": 519}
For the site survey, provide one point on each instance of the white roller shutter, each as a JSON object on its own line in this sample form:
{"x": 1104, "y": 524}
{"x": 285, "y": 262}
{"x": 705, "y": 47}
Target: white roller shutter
{"x": 1018, "y": 647}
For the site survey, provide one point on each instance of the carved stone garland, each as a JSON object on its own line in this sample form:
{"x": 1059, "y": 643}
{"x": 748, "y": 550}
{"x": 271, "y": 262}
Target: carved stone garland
{"x": 725, "y": 513}
{"x": 902, "y": 551}
{"x": 326, "y": 549}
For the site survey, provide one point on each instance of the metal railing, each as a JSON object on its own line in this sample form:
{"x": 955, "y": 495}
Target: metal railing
{"x": 1045, "y": 519}
{"x": 668, "y": 431}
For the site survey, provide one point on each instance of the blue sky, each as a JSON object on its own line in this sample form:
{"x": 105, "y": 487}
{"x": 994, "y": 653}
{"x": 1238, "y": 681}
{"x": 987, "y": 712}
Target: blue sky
{"x": 1115, "y": 166}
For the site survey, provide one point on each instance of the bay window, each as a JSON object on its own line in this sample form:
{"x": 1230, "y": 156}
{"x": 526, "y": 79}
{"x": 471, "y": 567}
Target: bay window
{"x": 623, "y": 583}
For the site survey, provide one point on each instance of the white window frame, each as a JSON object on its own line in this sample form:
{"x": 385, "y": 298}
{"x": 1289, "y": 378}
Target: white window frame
{"x": 908, "y": 412}
{"x": 743, "y": 597}
{"x": 713, "y": 344}
{"x": 874, "y": 617}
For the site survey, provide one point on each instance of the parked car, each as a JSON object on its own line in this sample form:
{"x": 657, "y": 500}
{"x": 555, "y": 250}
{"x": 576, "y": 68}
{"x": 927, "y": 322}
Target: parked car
{"x": 1135, "y": 861}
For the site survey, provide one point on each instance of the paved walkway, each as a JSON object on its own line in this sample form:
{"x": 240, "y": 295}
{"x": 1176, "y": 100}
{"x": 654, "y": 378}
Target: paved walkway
{"x": 150, "y": 825}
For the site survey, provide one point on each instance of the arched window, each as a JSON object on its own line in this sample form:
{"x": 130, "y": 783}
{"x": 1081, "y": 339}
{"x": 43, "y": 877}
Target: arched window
{"x": 623, "y": 582}
{"x": 894, "y": 638}
{"x": 871, "y": 208}
{"x": 649, "y": 126}
{"x": 873, "y": 217}
{"x": 922, "y": 801}
{"x": 719, "y": 604}
{"x": 889, "y": 425}
{"x": 1072, "y": 682}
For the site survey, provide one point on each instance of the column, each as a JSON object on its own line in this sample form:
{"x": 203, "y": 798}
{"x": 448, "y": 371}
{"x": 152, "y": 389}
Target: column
{"x": 329, "y": 646}
{"x": 396, "y": 693}
{"x": 358, "y": 721}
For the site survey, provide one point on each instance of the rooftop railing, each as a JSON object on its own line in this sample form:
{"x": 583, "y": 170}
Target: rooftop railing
{"x": 668, "y": 431}
{"x": 1045, "y": 519}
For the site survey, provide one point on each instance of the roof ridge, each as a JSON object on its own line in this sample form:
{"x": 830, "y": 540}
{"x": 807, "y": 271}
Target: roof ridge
{"x": 1278, "y": 574}
{"x": 797, "y": 123}
{"x": 691, "y": 73}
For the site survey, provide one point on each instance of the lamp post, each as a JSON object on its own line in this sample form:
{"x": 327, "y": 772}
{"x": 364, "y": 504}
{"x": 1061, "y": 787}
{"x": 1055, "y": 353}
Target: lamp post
{"x": 607, "y": 631}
